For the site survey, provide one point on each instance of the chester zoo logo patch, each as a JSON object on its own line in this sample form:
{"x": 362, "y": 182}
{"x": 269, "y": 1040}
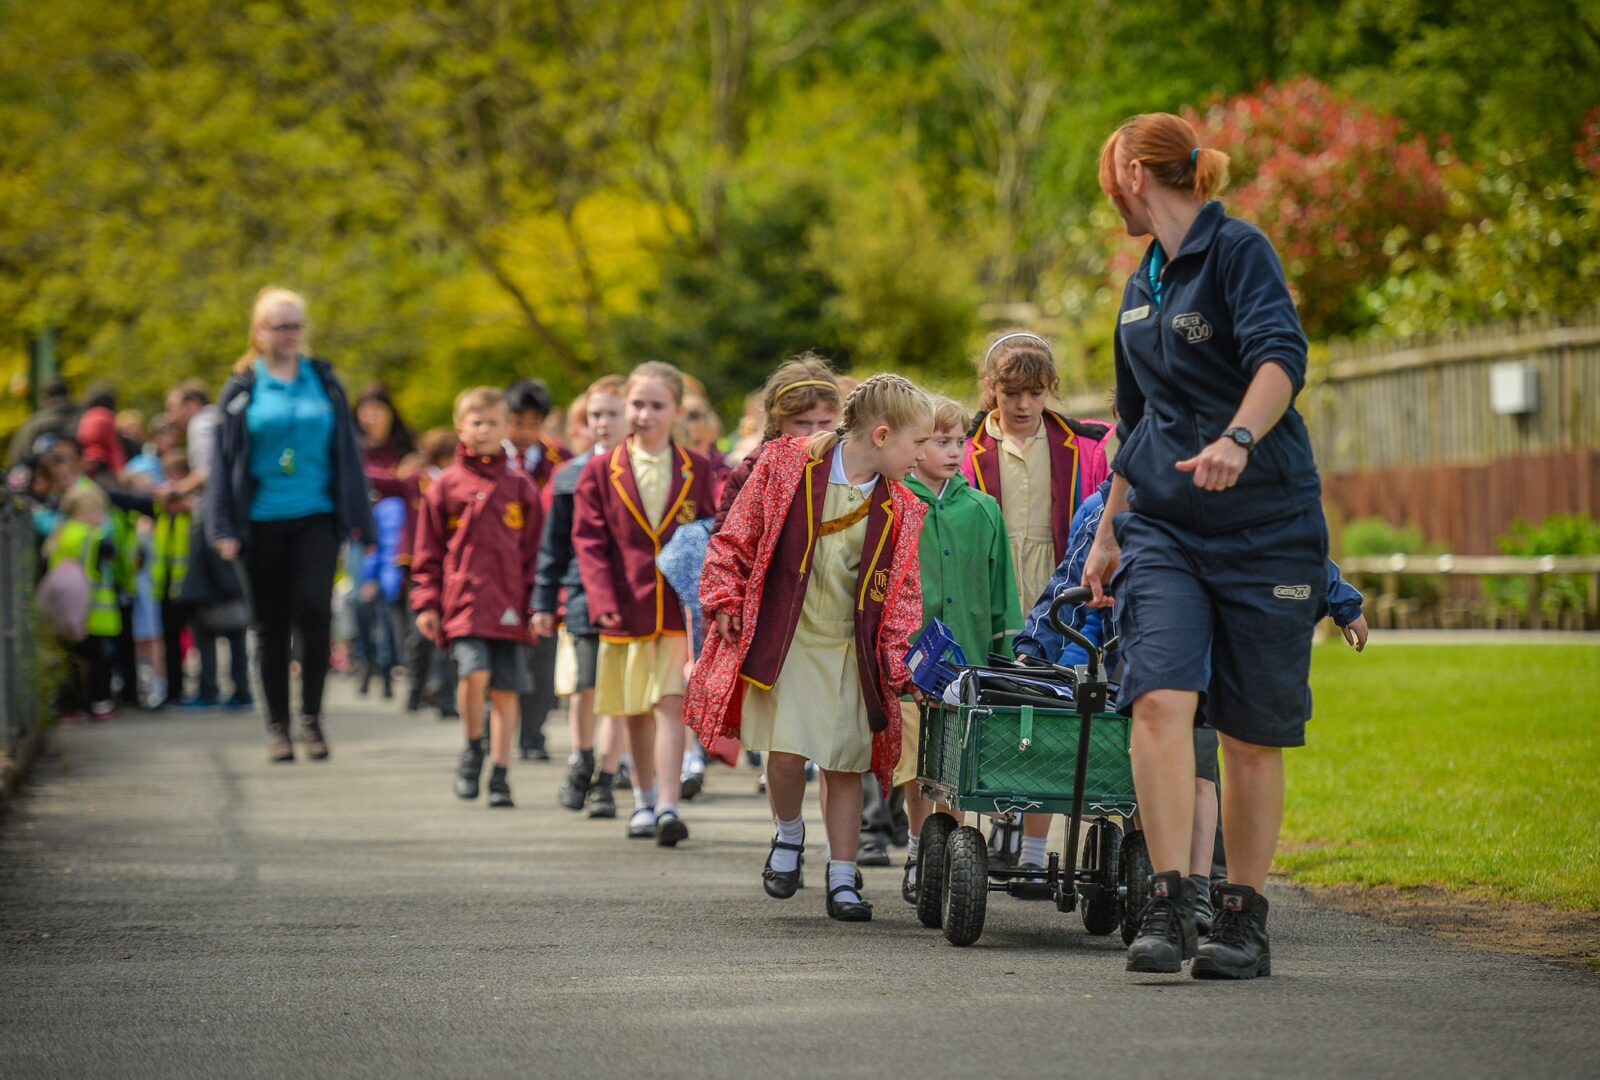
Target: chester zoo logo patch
{"x": 1193, "y": 328}
{"x": 1292, "y": 592}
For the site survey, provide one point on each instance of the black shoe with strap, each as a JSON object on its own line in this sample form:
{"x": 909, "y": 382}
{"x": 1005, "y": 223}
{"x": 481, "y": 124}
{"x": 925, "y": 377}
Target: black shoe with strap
{"x": 857, "y": 910}
{"x": 782, "y": 884}
{"x": 1166, "y": 932}
{"x": 910, "y": 888}
{"x": 670, "y": 829}
{"x": 1238, "y": 947}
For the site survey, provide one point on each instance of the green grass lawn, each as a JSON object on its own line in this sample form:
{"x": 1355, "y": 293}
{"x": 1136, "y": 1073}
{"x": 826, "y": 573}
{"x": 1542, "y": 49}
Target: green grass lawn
{"x": 1472, "y": 767}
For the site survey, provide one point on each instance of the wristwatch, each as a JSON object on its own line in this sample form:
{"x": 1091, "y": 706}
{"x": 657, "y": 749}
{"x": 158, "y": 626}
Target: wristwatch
{"x": 1243, "y": 437}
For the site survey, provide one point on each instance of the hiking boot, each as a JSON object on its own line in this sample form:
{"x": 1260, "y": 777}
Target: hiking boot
{"x": 469, "y": 770}
{"x": 1166, "y": 932}
{"x": 1239, "y": 947}
{"x": 311, "y": 737}
{"x": 575, "y": 788}
{"x": 1203, "y": 911}
{"x": 279, "y": 746}
{"x": 499, "y": 790}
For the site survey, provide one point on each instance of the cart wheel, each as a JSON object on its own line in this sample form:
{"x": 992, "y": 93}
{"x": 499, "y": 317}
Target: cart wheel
{"x": 930, "y": 868}
{"x": 1135, "y": 873}
{"x": 1102, "y": 853}
{"x": 966, "y": 885}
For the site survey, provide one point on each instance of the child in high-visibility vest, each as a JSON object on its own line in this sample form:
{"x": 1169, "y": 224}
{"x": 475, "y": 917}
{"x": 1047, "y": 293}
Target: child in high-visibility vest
{"x": 174, "y": 525}
{"x": 80, "y": 535}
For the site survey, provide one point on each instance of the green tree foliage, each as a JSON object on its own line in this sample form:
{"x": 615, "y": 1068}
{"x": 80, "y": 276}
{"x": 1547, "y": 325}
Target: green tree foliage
{"x": 471, "y": 189}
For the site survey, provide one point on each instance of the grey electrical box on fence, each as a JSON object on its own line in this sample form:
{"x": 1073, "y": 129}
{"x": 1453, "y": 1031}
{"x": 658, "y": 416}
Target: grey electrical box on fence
{"x": 1513, "y": 388}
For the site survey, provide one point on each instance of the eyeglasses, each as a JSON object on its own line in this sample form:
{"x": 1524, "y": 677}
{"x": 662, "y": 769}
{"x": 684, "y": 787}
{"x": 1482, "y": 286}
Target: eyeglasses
{"x": 287, "y": 328}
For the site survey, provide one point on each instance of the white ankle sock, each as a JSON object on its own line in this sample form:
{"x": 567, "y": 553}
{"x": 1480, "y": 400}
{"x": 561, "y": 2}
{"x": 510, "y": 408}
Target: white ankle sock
{"x": 643, "y": 797}
{"x": 843, "y": 873}
{"x": 1033, "y": 853}
{"x": 790, "y": 832}
{"x": 666, "y": 808}
{"x": 913, "y": 845}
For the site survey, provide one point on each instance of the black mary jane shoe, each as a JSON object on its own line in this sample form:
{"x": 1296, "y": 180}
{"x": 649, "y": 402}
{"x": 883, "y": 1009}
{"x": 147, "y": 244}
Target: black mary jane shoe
{"x": 782, "y": 884}
{"x": 911, "y": 883}
{"x": 848, "y": 910}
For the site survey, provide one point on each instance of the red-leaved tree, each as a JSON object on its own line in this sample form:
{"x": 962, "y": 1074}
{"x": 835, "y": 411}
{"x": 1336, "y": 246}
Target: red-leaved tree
{"x": 1337, "y": 186}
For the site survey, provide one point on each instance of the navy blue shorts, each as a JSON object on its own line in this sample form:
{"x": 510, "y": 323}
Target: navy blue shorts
{"x": 1229, "y": 617}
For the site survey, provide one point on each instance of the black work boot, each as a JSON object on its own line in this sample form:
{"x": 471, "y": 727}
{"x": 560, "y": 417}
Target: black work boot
{"x": 1166, "y": 932}
{"x": 469, "y": 771}
{"x": 1239, "y": 947}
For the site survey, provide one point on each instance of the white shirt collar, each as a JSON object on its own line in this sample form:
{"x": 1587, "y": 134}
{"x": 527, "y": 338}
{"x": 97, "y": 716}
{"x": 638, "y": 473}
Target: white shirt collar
{"x": 836, "y": 473}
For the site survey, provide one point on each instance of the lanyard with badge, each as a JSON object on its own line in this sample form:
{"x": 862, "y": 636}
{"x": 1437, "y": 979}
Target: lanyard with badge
{"x": 286, "y": 459}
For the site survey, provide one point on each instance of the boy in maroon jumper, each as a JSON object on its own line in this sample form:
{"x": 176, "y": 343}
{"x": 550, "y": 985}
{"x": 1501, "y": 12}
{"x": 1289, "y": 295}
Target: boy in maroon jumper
{"x": 472, "y": 577}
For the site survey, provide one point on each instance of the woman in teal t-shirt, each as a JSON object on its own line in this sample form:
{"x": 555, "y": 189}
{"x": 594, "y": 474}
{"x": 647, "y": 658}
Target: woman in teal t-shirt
{"x": 287, "y": 491}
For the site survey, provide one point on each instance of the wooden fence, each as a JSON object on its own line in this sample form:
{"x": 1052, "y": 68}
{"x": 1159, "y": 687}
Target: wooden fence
{"x": 1429, "y": 402}
{"x": 1410, "y": 433}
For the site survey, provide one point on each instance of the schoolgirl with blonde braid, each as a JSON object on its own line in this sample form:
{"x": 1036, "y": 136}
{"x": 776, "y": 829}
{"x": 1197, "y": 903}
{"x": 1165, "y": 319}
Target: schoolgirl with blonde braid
{"x": 814, "y": 586}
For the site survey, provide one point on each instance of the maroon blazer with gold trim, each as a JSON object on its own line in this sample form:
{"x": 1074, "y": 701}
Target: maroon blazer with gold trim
{"x": 757, "y": 567}
{"x": 1077, "y": 467}
{"x": 616, "y": 547}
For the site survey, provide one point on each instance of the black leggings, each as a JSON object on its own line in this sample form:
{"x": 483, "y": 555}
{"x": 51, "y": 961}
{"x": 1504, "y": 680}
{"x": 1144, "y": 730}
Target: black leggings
{"x": 290, "y": 565}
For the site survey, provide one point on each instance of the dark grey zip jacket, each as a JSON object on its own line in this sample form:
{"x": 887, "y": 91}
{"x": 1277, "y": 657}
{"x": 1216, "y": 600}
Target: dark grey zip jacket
{"x": 1183, "y": 366}
{"x": 231, "y": 490}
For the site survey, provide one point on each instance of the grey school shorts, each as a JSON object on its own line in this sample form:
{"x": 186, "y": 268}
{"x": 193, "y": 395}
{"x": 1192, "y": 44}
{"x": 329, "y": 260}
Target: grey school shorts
{"x": 505, "y": 661}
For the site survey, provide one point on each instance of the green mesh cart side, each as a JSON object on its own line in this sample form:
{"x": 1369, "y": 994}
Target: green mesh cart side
{"x": 1002, "y": 758}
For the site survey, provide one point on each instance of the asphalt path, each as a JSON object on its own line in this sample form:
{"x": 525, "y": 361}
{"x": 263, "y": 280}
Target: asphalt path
{"x": 173, "y": 906}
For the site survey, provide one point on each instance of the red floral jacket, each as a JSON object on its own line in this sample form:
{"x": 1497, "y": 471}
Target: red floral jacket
{"x": 738, "y": 564}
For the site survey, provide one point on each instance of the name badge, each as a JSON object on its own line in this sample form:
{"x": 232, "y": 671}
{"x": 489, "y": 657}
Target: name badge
{"x": 1135, "y": 314}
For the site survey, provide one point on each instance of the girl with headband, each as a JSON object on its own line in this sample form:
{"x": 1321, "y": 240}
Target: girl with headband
{"x": 1039, "y": 465}
{"x": 800, "y": 399}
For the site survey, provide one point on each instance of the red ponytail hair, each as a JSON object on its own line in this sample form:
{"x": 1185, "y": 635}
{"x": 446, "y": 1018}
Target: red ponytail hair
{"x": 1171, "y": 153}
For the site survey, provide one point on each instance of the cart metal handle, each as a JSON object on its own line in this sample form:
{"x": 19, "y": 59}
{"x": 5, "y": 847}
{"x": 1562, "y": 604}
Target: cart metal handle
{"x": 1072, "y": 598}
